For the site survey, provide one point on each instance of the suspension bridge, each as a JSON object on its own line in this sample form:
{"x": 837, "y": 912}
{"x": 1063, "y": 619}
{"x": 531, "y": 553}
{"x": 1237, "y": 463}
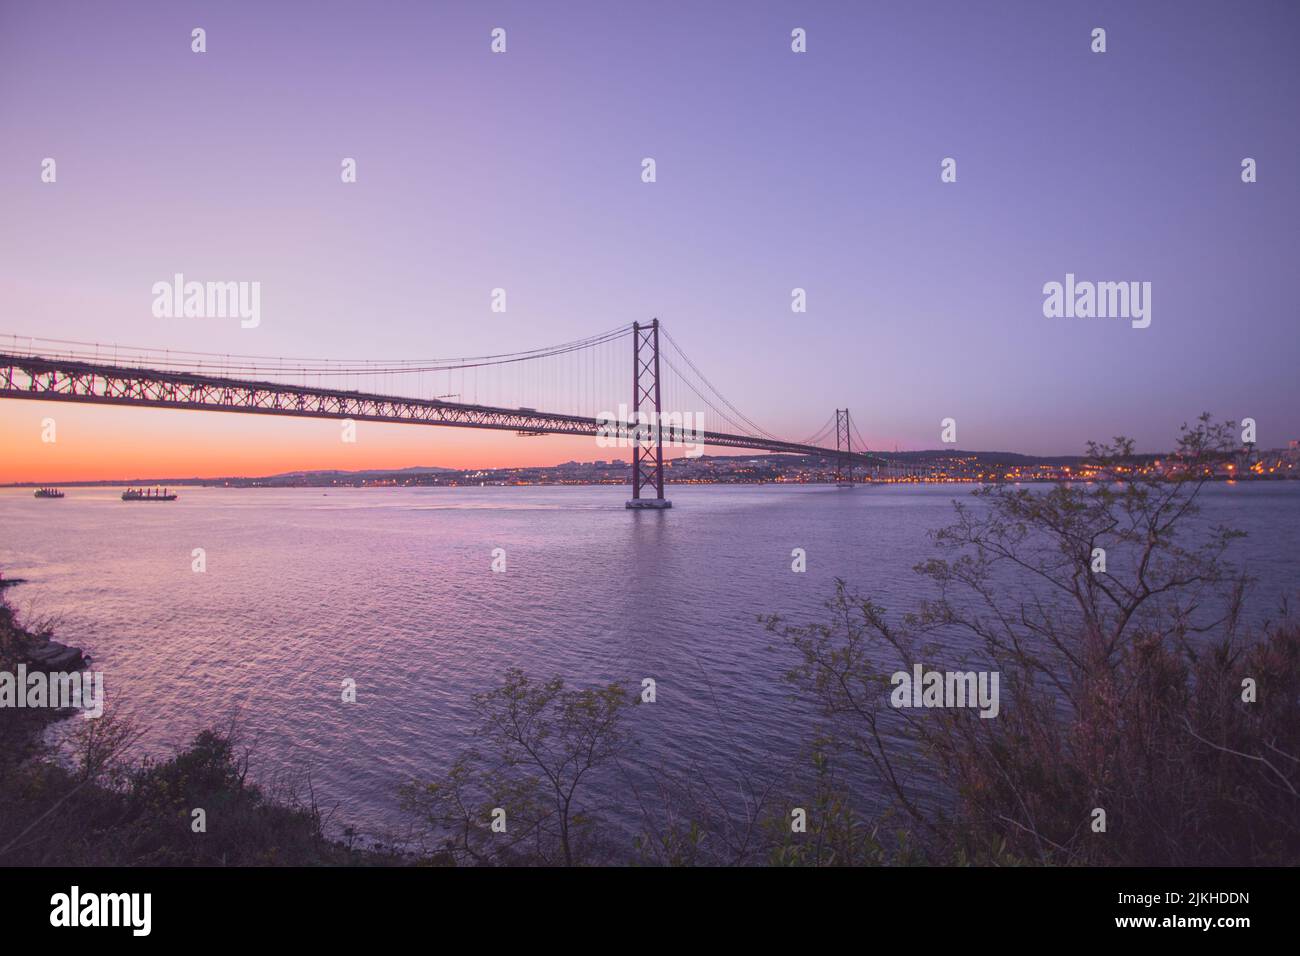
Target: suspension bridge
{"x": 576, "y": 382}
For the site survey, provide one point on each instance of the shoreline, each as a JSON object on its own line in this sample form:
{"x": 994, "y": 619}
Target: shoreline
{"x": 33, "y": 651}
{"x": 37, "y": 649}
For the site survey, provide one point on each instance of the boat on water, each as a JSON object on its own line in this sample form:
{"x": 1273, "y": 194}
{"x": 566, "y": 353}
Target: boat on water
{"x": 48, "y": 493}
{"x": 147, "y": 494}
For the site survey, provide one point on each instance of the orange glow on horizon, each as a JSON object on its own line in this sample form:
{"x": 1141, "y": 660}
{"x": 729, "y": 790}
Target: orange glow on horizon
{"x": 98, "y": 443}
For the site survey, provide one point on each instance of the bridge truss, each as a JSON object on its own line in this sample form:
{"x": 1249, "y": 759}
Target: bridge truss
{"x": 70, "y": 379}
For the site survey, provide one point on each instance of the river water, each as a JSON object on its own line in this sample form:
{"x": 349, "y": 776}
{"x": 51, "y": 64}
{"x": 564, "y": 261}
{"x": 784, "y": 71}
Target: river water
{"x": 394, "y": 589}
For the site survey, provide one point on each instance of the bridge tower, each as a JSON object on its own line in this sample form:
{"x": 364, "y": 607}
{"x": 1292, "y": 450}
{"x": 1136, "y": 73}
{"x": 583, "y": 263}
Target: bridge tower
{"x": 647, "y": 439}
{"x": 843, "y": 443}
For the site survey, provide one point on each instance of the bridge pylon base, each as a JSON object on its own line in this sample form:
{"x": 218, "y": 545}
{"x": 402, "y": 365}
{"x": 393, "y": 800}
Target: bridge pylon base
{"x": 656, "y": 504}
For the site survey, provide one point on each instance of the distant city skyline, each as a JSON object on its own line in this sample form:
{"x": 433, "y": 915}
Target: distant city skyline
{"x": 775, "y": 171}
{"x": 925, "y": 464}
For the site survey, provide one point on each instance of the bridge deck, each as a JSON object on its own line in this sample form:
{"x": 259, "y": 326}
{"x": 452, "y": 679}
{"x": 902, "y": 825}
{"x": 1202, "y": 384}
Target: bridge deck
{"x": 59, "y": 380}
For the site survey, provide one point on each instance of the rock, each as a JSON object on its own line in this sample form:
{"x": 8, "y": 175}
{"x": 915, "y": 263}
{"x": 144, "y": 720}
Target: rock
{"x": 54, "y": 656}
{"x": 70, "y": 660}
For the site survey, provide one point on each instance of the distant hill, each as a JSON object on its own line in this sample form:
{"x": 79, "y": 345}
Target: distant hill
{"x": 999, "y": 457}
{"x": 418, "y": 472}
{"x": 367, "y": 473}
{"x": 286, "y": 476}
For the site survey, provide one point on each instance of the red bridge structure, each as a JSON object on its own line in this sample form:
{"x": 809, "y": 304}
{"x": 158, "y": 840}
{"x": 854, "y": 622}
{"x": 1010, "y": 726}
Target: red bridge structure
{"x": 577, "y": 377}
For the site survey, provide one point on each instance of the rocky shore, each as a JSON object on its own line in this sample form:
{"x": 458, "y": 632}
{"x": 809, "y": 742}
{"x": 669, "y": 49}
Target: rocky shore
{"x": 39, "y": 651}
{"x": 43, "y": 653}
{"x": 21, "y": 729}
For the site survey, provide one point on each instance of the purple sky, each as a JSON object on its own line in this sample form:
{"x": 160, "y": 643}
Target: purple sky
{"x": 775, "y": 170}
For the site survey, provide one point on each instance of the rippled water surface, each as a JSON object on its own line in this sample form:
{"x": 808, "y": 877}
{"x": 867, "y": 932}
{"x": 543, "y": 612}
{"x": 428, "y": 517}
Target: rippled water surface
{"x": 393, "y": 588}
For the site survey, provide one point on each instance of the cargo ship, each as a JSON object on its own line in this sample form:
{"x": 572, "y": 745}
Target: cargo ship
{"x": 48, "y": 493}
{"x": 147, "y": 494}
